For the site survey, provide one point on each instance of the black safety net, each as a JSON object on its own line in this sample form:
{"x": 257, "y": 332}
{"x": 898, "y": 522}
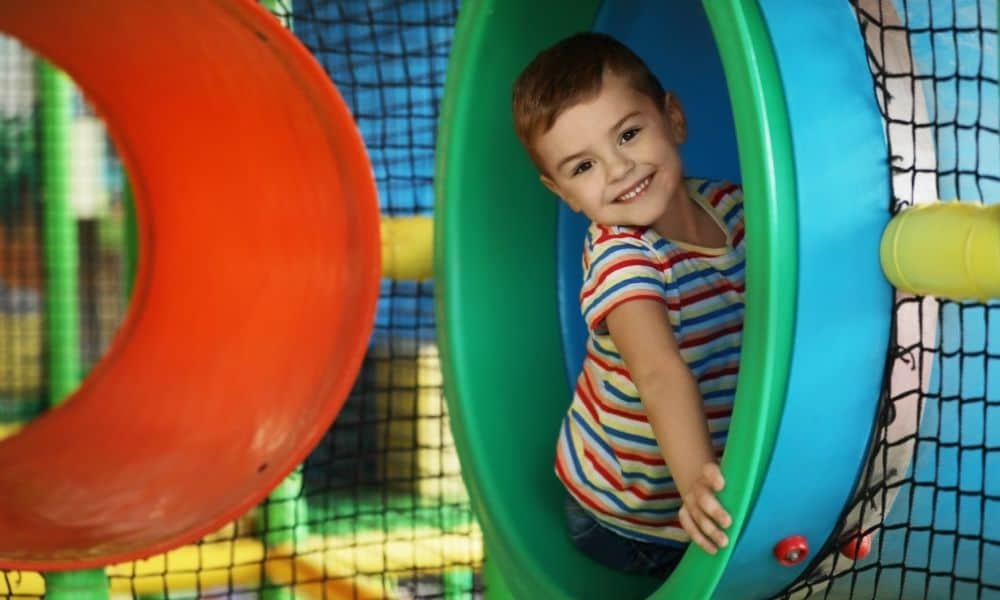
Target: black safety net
{"x": 925, "y": 519}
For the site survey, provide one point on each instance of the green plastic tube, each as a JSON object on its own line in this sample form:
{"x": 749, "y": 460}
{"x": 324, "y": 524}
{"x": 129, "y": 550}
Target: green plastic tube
{"x": 61, "y": 261}
{"x": 91, "y": 584}
{"x": 61, "y": 287}
{"x": 131, "y": 241}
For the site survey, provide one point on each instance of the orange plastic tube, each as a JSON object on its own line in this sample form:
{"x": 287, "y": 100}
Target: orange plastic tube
{"x": 256, "y": 286}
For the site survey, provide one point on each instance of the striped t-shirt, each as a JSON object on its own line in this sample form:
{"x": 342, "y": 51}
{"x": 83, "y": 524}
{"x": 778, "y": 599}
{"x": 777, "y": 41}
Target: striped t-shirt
{"x": 607, "y": 456}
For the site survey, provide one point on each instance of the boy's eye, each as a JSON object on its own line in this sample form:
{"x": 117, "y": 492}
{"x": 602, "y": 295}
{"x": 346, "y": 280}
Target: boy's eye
{"x": 629, "y": 134}
{"x": 582, "y": 167}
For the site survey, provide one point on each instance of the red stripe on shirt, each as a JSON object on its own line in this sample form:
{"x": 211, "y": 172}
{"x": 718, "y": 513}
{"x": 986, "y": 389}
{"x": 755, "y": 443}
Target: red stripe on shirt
{"x": 721, "y": 193}
{"x": 613, "y": 267}
{"x": 599, "y": 318}
{"x": 633, "y": 488}
{"x": 711, "y": 335}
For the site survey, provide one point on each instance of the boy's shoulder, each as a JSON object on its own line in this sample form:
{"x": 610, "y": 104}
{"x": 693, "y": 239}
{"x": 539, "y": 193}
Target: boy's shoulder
{"x": 604, "y": 235}
{"x": 718, "y": 193}
{"x": 722, "y": 197}
{"x": 605, "y": 241}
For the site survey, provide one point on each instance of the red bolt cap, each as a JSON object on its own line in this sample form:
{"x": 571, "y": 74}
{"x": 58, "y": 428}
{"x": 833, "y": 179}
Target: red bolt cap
{"x": 792, "y": 550}
{"x": 857, "y": 546}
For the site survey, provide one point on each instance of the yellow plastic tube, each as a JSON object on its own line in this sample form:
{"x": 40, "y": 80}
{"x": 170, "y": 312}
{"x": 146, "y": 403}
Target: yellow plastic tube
{"x": 407, "y": 247}
{"x": 945, "y": 249}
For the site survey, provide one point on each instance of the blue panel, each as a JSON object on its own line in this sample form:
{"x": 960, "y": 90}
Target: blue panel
{"x": 572, "y": 227}
{"x": 950, "y": 455}
{"x": 659, "y": 32}
{"x": 391, "y": 76}
{"x": 844, "y": 303}
{"x": 394, "y": 92}
{"x": 964, "y": 370}
{"x": 959, "y": 448}
{"x": 968, "y": 158}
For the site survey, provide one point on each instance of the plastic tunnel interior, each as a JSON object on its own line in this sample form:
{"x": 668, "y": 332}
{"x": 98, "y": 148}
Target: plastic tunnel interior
{"x": 258, "y": 228}
{"x": 505, "y": 278}
{"x": 514, "y": 491}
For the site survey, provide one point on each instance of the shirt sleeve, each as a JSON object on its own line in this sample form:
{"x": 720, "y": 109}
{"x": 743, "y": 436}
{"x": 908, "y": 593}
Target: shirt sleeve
{"x": 615, "y": 272}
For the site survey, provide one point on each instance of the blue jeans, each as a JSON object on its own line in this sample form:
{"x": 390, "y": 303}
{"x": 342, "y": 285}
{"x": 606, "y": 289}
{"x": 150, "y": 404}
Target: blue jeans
{"x": 616, "y": 551}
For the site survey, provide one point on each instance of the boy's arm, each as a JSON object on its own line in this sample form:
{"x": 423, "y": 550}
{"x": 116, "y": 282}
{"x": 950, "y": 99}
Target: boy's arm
{"x": 643, "y": 335}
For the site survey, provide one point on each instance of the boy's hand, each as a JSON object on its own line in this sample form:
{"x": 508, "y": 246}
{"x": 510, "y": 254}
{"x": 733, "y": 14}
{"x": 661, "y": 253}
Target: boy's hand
{"x": 701, "y": 515}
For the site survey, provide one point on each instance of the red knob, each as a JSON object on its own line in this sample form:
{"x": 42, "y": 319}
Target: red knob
{"x": 857, "y": 546}
{"x": 792, "y": 550}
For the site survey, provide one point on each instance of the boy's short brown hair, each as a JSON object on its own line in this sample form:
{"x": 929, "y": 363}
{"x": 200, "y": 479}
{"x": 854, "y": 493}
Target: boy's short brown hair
{"x": 569, "y": 72}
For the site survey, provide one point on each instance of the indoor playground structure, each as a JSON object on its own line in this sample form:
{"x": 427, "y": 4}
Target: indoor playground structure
{"x": 273, "y": 418}
{"x": 867, "y": 421}
{"x": 275, "y": 228}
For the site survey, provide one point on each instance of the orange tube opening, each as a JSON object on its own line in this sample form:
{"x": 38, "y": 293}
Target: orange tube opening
{"x": 255, "y": 292}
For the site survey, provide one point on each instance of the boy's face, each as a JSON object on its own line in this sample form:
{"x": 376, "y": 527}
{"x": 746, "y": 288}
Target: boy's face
{"x": 614, "y": 157}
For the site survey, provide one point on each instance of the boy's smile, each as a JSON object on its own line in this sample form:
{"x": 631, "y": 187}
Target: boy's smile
{"x": 635, "y": 191}
{"x": 614, "y": 157}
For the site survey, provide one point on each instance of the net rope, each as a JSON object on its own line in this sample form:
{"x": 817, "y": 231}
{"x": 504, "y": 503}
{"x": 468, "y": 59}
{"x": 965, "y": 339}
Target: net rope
{"x": 933, "y": 472}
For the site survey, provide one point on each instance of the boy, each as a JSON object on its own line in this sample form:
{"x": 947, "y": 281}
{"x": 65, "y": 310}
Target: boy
{"x": 662, "y": 298}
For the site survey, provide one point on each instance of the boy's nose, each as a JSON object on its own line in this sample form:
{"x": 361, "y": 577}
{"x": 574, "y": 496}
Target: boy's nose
{"x": 620, "y": 166}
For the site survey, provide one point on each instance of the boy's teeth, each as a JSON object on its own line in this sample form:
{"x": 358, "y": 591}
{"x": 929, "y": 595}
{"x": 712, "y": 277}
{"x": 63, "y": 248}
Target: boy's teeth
{"x": 635, "y": 191}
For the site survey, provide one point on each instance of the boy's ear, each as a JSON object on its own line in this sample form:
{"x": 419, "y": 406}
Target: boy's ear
{"x": 555, "y": 189}
{"x": 675, "y": 117}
